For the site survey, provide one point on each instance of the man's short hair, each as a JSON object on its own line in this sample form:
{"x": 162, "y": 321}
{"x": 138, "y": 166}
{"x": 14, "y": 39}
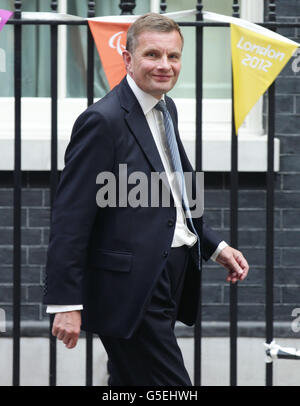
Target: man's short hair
{"x": 152, "y": 22}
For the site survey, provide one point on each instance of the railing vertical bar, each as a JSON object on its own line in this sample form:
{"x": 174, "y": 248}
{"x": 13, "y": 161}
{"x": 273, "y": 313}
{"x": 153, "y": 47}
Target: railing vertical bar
{"x": 163, "y": 6}
{"x": 234, "y": 243}
{"x": 270, "y": 229}
{"x": 127, "y": 7}
{"x": 234, "y": 184}
{"x": 90, "y": 100}
{"x": 270, "y": 213}
{"x": 53, "y": 170}
{"x": 17, "y": 197}
{"x": 199, "y": 96}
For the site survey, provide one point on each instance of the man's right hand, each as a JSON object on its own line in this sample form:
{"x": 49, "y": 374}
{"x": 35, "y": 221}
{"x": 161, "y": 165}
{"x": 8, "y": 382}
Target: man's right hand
{"x": 66, "y": 327}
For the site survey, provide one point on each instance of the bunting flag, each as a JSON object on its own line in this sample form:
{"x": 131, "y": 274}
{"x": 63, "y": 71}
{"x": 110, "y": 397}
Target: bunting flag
{"x": 110, "y": 40}
{"x": 109, "y": 34}
{"x": 258, "y": 56}
{"x": 4, "y": 16}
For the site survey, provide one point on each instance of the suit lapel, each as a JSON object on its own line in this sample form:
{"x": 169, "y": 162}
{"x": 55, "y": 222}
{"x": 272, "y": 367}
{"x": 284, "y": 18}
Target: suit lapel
{"x": 139, "y": 127}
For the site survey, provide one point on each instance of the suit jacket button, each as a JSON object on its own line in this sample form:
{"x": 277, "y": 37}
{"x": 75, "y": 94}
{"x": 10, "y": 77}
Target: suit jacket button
{"x": 165, "y": 254}
{"x": 170, "y": 223}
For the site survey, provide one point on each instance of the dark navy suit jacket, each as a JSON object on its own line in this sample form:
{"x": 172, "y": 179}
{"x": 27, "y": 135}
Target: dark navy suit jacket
{"x": 109, "y": 259}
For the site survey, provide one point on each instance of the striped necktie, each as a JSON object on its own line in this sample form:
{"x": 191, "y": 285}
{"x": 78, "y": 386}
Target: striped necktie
{"x": 177, "y": 167}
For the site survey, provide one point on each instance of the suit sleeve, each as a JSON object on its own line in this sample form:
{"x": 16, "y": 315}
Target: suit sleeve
{"x": 89, "y": 152}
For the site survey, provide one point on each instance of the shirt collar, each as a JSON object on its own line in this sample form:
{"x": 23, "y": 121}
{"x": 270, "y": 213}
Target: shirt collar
{"x": 146, "y": 101}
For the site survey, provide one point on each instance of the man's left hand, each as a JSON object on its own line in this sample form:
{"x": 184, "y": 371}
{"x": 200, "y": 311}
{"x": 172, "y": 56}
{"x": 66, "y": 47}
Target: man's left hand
{"x": 234, "y": 261}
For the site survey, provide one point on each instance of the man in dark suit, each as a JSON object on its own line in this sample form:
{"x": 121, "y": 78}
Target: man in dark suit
{"x": 128, "y": 271}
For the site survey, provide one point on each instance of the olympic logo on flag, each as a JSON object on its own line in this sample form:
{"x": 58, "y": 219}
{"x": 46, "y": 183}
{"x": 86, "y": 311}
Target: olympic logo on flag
{"x": 115, "y": 42}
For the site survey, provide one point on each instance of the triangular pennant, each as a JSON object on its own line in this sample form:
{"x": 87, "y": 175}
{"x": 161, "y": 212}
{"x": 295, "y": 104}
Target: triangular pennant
{"x": 110, "y": 39}
{"x": 4, "y": 16}
{"x": 258, "y": 56}
{"x": 256, "y": 62}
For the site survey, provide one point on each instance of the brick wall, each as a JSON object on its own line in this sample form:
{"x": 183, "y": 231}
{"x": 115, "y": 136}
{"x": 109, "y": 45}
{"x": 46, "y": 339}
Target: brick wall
{"x": 35, "y": 234}
{"x": 252, "y": 215}
{"x": 287, "y": 238}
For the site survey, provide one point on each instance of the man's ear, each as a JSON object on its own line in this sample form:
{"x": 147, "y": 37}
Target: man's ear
{"x": 127, "y": 60}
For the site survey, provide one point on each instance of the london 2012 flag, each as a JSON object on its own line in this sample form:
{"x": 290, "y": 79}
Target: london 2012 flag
{"x": 258, "y": 56}
{"x": 4, "y": 16}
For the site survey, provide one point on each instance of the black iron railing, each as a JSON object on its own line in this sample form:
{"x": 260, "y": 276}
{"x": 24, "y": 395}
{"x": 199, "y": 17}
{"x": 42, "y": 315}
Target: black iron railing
{"x": 127, "y": 7}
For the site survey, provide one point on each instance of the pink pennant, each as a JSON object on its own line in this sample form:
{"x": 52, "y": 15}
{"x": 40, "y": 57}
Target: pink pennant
{"x": 4, "y": 16}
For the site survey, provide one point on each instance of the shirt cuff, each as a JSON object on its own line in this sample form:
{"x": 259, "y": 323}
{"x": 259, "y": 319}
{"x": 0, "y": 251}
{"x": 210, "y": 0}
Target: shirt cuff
{"x": 220, "y": 247}
{"x": 62, "y": 308}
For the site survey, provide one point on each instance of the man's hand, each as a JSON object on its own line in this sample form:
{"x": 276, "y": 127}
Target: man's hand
{"x": 66, "y": 327}
{"x": 234, "y": 261}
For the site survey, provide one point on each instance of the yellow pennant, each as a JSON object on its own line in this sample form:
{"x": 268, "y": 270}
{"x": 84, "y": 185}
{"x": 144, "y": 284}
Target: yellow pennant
{"x": 258, "y": 56}
{"x": 257, "y": 60}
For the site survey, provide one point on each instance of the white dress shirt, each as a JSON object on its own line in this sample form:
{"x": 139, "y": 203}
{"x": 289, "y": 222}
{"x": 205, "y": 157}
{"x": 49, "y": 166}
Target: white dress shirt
{"x": 182, "y": 234}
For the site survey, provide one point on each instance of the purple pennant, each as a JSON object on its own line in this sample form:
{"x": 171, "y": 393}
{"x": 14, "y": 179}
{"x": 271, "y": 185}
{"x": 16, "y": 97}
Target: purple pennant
{"x": 4, "y": 16}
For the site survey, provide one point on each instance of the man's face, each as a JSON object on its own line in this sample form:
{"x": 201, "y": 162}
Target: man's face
{"x": 156, "y": 62}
